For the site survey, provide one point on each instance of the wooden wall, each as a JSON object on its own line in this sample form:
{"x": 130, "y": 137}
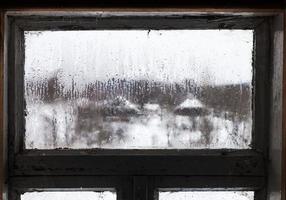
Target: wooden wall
{"x": 136, "y": 5}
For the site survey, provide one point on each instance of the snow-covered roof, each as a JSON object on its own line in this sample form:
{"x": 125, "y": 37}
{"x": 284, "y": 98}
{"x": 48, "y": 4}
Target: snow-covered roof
{"x": 124, "y": 103}
{"x": 191, "y": 107}
{"x": 120, "y": 106}
{"x": 191, "y": 103}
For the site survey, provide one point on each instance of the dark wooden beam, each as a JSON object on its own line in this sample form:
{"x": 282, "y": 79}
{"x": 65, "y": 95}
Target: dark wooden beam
{"x": 238, "y": 164}
{"x": 265, "y": 4}
{"x": 2, "y": 133}
{"x": 283, "y": 178}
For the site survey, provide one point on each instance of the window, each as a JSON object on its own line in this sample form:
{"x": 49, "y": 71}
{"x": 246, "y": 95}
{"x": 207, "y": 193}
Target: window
{"x": 159, "y": 91}
{"x": 69, "y": 195}
{"x": 138, "y": 106}
{"x": 205, "y": 195}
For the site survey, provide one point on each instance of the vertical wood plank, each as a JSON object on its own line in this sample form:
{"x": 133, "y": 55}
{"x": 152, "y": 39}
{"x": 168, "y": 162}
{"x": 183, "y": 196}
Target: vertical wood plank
{"x": 283, "y": 181}
{"x": 2, "y": 163}
{"x": 140, "y": 188}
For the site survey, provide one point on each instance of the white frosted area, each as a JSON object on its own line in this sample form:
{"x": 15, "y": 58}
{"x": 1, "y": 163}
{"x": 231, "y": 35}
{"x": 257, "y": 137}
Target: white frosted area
{"x": 74, "y": 195}
{"x": 207, "y": 57}
{"x": 138, "y": 89}
{"x": 207, "y": 195}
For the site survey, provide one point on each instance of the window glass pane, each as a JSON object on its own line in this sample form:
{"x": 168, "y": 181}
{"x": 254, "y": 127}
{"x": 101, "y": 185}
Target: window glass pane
{"x": 207, "y": 195}
{"x": 106, "y": 195}
{"x": 138, "y": 89}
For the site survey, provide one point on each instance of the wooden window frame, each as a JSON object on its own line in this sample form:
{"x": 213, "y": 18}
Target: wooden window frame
{"x": 142, "y": 170}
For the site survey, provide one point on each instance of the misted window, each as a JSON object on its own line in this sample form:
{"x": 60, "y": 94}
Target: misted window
{"x": 55, "y": 195}
{"x": 143, "y": 89}
{"x": 138, "y": 106}
{"x": 205, "y": 195}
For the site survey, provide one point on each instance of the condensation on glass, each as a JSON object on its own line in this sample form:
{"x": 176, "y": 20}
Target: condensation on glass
{"x": 138, "y": 89}
{"x": 206, "y": 195}
{"x": 70, "y": 195}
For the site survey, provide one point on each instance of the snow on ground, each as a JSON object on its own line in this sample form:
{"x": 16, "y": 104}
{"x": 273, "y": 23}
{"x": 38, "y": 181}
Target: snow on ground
{"x": 59, "y": 125}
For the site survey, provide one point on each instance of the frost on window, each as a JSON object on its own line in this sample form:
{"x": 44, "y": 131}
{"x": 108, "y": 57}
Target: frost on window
{"x": 207, "y": 195}
{"x": 72, "y": 195}
{"x": 138, "y": 89}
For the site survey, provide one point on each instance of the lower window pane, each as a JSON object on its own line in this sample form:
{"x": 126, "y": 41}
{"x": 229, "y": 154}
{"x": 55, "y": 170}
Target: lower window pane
{"x": 69, "y": 195}
{"x": 206, "y": 195}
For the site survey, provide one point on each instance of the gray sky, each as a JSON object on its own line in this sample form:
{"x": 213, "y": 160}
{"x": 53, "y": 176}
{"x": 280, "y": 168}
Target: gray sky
{"x": 206, "y": 56}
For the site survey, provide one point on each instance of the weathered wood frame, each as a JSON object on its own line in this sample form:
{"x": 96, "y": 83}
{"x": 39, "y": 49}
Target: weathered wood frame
{"x": 218, "y": 169}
